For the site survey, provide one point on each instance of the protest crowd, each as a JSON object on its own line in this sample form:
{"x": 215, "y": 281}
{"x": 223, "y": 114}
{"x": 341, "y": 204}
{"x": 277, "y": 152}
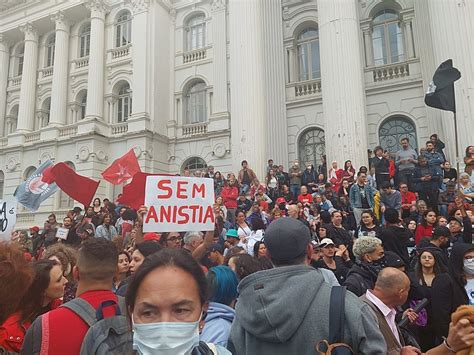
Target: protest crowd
{"x": 267, "y": 279}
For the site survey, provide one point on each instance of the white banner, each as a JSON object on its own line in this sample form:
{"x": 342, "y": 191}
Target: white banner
{"x": 7, "y": 219}
{"x": 179, "y": 204}
{"x": 62, "y": 233}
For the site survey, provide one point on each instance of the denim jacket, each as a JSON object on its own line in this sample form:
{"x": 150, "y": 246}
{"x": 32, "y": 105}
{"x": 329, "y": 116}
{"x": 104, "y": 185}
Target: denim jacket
{"x": 356, "y": 200}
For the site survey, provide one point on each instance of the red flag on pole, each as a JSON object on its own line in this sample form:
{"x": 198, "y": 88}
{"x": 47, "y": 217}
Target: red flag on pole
{"x": 122, "y": 169}
{"x": 80, "y": 188}
{"x": 134, "y": 193}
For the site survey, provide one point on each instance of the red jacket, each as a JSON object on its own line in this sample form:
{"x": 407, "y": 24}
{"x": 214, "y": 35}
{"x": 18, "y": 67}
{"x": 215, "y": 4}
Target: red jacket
{"x": 423, "y": 232}
{"x": 229, "y": 195}
{"x": 12, "y": 332}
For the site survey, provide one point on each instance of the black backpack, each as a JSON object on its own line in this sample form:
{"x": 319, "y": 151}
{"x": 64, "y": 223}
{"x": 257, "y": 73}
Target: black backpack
{"x": 334, "y": 345}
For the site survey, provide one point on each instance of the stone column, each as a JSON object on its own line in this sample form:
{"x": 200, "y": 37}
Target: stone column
{"x": 369, "y": 55}
{"x": 26, "y": 113}
{"x": 219, "y": 68}
{"x": 95, "y": 77}
{"x": 291, "y": 65}
{"x": 140, "y": 48}
{"x": 248, "y": 123}
{"x": 274, "y": 82}
{"x": 60, "y": 75}
{"x": 342, "y": 82}
{"x": 4, "y": 68}
{"x": 452, "y": 30}
{"x": 409, "y": 39}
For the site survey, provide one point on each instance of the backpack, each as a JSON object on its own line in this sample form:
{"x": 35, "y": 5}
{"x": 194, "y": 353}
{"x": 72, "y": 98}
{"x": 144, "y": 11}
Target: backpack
{"x": 334, "y": 345}
{"x": 110, "y": 335}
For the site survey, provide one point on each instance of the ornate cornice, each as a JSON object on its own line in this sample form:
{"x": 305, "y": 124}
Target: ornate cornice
{"x": 30, "y": 32}
{"x": 217, "y": 5}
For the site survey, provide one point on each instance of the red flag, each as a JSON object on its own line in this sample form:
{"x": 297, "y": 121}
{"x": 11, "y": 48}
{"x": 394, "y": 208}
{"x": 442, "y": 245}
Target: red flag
{"x": 122, "y": 169}
{"x": 134, "y": 193}
{"x": 78, "y": 187}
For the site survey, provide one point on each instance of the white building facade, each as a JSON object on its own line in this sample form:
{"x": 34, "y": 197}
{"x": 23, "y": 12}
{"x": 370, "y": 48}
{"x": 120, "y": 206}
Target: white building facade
{"x": 190, "y": 83}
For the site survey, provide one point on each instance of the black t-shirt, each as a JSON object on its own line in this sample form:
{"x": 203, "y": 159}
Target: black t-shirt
{"x": 363, "y": 197}
{"x": 246, "y": 178}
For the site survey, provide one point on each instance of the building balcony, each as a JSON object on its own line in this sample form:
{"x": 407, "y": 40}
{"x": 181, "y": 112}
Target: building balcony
{"x": 119, "y": 128}
{"x": 68, "y": 131}
{"x": 46, "y": 72}
{"x": 32, "y": 137}
{"x": 81, "y": 62}
{"x": 120, "y": 52}
{"x": 14, "y": 81}
{"x": 403, "y": 73}
{"x": 393, "y": 71}
{"x": 3, "y": 142}
{"x": 308, "y": 89}
{"x": 194, "y": 56}
{"x": 195, "y": 129}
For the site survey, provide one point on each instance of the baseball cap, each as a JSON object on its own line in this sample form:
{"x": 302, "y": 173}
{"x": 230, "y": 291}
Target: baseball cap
{"x": 441, "y": 231}
{"x": 34, "y": 229}
{"x": 232, "y": 233}
{"x": 455, "y": 219}
{"x": 280, "y": 200}
{"x": 151, "y": 236}
{"x": 393, "y": 260}
{"x": 217, "y": 247}
{"x": 287, "y": 238}
{"x": 325, "y": 242}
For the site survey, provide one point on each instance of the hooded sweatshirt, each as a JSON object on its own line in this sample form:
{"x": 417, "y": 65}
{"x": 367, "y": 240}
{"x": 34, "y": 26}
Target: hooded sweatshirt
{"x": 218, "y": 321}
{"x": 285, "y": 310}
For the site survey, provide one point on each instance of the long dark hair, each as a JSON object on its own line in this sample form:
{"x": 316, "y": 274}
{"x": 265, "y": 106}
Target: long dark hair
{"x": 425, "y": 214}
{"x": 31, "y": 305}
{"x": 438, "y": 267}
{"x": 256, "y": 247}
{"x": 167, "y": 257}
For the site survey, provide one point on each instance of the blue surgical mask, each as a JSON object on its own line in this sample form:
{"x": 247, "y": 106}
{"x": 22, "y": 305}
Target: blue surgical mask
{"x": 173, "y": 338}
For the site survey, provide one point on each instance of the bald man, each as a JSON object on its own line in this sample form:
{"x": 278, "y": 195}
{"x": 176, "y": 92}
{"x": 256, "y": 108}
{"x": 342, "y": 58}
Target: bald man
{"x": 293, "y": 211}
{"x": 390, "y": 291}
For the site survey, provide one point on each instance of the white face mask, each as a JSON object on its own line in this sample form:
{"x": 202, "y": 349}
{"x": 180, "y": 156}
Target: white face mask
{"x": 469, "y": 266}
{"x": 173, "y": 338}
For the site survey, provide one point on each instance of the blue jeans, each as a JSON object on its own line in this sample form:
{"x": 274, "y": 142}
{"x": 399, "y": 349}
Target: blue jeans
{"x": 295, "y": 191}
{"x": 244, "y": 188}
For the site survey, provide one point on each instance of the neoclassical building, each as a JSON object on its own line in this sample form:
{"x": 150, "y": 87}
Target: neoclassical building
{"x": 190, "y": 83}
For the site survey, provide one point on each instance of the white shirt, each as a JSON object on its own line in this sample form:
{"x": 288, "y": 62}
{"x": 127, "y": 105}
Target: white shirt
{"x": 470, "y": 291}
{"x": 389, "y": 313}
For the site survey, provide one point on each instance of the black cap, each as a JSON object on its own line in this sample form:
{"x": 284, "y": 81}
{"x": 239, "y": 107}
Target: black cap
{"x": 393, "y": 260}
{"x": 441, "y": 231}
{"x": 287, "y": 238}
{"x": 455, "y": 219}
{"x": 217, "y": 247}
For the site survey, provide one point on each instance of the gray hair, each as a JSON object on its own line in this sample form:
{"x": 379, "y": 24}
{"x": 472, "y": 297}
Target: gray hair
{"x": 365, "y": 245}
{"x": 189, "y": 237}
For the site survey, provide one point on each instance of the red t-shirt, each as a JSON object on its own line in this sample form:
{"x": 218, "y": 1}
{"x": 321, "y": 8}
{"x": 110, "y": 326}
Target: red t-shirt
{"x": 305, "y": 199}
{"x": 66, "y": 330}
{"x": 408, "y": 197}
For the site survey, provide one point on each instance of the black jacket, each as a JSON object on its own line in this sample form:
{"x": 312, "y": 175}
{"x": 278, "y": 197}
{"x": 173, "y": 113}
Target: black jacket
{"x": 360, "y": 279}
{"x": 396, "y": 239}
{"x": 342, "y": 268}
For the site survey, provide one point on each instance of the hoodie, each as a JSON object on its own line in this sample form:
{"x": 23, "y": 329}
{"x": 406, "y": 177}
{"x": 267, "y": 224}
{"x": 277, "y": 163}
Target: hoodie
{"x": 285, "y": 310}
{"x": 218, "y": 321}
{"x": 359, "y": 279}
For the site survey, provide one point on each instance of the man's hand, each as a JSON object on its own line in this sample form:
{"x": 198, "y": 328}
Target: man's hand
{"x": 461, "y": 335}
{"x": 141, "y": 213}
{"x": 412, "y": 316}
{"x": 410, "y": 350}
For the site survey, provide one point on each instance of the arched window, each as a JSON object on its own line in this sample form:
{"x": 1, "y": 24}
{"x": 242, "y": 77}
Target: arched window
{"x": 308, "y": 54}
{"x": 2, "y": 183}
{"x": 84, "y": 40}
{"x": 393, "y": 129}
{"x": 20, "y": 54}
{"x": 83, "y": 106}
{"x": 28, "y": 172}
{"x": 11, "y": 121}
{"x": 387, "y": 38}
{"x": 195, "y": 32}
{"x": 49, "y": 47}
{"x": 196, "y": 103}
{"x": 124, "y": 103}
{"x": 193, "y": 164}
{"x": 66, "y": 202}
{"x": 123, "y": 29}
{"x": 311, "y": 146}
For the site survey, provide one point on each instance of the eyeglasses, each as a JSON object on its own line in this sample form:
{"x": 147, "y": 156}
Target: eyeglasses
{"x": 174, "y": 239}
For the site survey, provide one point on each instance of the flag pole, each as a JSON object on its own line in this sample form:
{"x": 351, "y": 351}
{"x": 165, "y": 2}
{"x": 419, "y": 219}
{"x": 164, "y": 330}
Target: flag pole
{"x": 456, "y": 141}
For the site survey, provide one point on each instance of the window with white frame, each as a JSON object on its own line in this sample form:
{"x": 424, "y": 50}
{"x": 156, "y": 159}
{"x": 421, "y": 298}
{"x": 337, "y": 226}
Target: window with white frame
{"x": 84, "y": 40}
{"x": 123, "y": 29}
{"x": 193, "y": 164}
{"x": 83, "y": 106}
{"x": 49, "y": 47}
{"x": 307, "y": 44}
{"x": 387, "y": 38}
{"x": 195, "y": 32}
{"x": 124, "y": 109}
{"x": 196, "y": 103}
{"x": 20, "y": 58}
